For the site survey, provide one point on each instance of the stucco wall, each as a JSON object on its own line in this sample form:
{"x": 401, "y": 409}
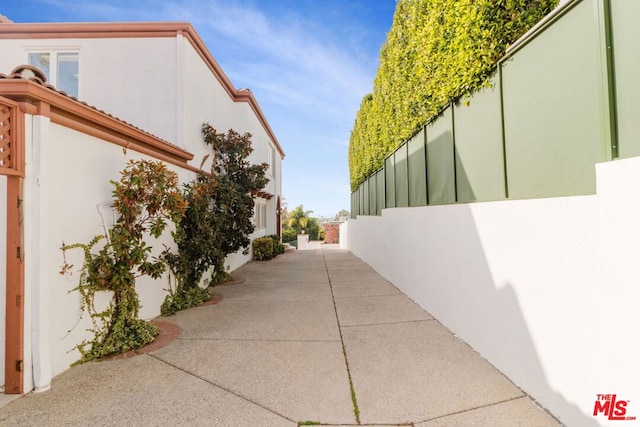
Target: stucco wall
{"x": 545, "y": 289}
{"x": 205, "y": 101}
{"x": 68, "y": 176}
{"x": 132, "y": 78}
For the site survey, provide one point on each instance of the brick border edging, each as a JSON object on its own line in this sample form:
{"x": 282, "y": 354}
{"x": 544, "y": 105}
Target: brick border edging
{"x": 167, "y": 333}
{"x": 215, "y": 299}
{"x": 233, "y": 281}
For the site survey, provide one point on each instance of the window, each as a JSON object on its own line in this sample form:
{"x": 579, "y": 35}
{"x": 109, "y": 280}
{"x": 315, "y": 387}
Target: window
{"x": 260, "y": 215}
{"x": 61, "y": 69}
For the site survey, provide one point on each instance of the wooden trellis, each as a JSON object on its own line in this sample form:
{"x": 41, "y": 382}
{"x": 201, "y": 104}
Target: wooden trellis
{"x": 5, "y": 136}
{"x": 9, "y": 128}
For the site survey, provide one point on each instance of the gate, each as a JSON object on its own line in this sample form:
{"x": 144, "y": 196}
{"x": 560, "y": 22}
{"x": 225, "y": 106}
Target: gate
{"x": 11, "y": 245}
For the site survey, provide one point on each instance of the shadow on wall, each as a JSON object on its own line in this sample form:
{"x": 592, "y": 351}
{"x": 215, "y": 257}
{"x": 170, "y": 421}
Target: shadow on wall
{"x": 454, "y": 283}
{"x": 496, "y": 307}
{"x": 571, "y": 414}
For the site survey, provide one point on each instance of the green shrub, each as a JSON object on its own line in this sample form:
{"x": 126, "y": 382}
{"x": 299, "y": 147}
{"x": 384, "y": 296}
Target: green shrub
{"x": 263, "y": 248}
{"x": 289, "y": 235}
{"x": 278, "y": 247}
{"x": 188, "y": 298}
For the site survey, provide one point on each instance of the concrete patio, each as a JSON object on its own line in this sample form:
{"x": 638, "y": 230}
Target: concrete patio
{"x": 312, "y": 336}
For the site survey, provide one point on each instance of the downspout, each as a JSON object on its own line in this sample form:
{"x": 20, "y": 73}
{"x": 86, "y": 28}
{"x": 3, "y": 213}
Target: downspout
{"x": 40, "y": 298}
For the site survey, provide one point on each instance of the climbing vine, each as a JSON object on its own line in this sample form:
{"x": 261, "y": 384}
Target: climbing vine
{"x": 145, "y": 198}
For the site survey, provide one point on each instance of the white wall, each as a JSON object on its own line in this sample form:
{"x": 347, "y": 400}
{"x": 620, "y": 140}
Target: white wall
{"x": 61, "y": 206}
{"x": 131, "y": 78}
{"x": 547, "y": 290}
{"x": 205, "y": 101}
{"x": 344, "y": 235}
{"x": 57, "y": 183}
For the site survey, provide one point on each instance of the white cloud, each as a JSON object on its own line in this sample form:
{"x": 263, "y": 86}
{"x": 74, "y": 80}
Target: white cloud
{"x": 283, "y": 55}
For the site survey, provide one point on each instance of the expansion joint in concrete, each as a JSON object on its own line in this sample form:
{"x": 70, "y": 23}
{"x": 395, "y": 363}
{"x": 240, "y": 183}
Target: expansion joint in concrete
{"x": 251, "y": 401}
{"x": 354, "y": 399}
{"x": 388, "y": 323}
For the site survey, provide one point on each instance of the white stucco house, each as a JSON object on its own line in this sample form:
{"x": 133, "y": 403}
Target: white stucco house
{"x": 113, "y": 92}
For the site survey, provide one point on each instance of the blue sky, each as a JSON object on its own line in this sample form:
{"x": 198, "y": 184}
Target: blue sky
{"x": 308, "y": 62}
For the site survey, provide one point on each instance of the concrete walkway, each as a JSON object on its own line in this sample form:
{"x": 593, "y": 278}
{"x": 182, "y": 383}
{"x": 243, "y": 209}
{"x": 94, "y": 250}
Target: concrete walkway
{"x": 311, "y": 336}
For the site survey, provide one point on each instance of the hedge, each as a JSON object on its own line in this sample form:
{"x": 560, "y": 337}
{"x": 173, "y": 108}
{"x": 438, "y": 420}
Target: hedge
{"x": 263, "y": 248}
{"x": 435, "y": 52}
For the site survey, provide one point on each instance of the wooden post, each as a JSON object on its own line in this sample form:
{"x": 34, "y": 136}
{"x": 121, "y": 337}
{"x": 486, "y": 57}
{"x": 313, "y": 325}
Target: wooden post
{"x": 14, "y": 340}
{"x": 12, "y": 165}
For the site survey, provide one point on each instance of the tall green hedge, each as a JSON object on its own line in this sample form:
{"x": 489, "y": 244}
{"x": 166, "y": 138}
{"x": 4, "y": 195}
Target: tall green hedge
{"x": 435, "y": 52}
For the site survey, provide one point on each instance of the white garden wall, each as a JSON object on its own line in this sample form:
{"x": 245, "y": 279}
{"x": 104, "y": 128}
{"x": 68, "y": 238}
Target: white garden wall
{"x": 68, "y": 176}
{"x": 547, "y": 290}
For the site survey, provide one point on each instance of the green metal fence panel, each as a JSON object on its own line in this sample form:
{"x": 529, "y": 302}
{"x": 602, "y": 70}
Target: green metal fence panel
{"x": 361, "y": 201}
{"x": 479, "y": 153}
{"x": 401, "y": 177}
{"x": 441, "y": 178}
{"x": 365, "y": 190}
{"x": 626, "y": 34}
{"x": 351, "y": 206}
{"x": 554, "y": 118}
{"x": 390, "y": 182}
{"x": 354, "y": 204}
{"x": 380, "y": 184}
{"x": 417, "y": 162}
{"x": 373, "y": 194}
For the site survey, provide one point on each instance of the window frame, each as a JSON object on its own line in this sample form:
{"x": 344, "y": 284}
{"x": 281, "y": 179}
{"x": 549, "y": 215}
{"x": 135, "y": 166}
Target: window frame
{"x": 260, "y": 214}
{"x": 53, "y": 75}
